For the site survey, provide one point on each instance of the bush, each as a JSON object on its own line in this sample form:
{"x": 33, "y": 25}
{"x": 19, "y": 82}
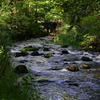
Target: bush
{"x": 8, "y": 89}
{"x": 90, "y": 27}
{"x": 87, "y": 36}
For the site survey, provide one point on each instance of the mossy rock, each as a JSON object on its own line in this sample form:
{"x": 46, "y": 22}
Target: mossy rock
{"x": 65, "y": 51}
{"x": 35, "y": 53}
{"x": 22, "y": 53}
{"x": 20, "y": 69}
{"x": 28, "y": 46}
{"x": 86, "y": 58}
{"x": 72, "y": 68}
{"x": 15, "y": 45}
{"x": 46, "y": 49}
{"x": 64, "y": 46}
{"x": 30, "y": 49}
{"x": 48, "y": 55}
{"x": 18, "y": 54}
{"x": 83, "y": 66}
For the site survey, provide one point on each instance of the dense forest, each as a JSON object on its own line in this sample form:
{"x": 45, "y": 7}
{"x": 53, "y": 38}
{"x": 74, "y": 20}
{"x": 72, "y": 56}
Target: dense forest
{"x": 73, "y": 22}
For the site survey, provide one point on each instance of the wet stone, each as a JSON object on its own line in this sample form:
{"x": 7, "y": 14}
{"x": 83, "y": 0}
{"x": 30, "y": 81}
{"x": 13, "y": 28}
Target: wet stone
{"x": 35, "y": 53}
{"x": 65, "y": 60}
{"x": 46, "y": 49}
{"x": 56, "y": 68}
{"x": 18, "y": 54}
{"x": 24, "y": 53}
{"x": 86, "y": 58}
{"x": 72, "y": 68}
{"x": 20, "y": 69}
{"x": 83, "y": 66}
{"x": 44, "y": 80}
{"x": 65, "y": 63}
{"x": 22, "y": 61}
{"x": 65, "y": 52}
{"x": 73, "y": 84}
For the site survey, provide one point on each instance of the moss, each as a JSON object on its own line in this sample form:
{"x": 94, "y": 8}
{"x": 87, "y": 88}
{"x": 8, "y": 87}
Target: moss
{"x": 72, "y": 68}
{"x": 83, "y": 66}
{"x": 48, "y": 55}
{"x": 29, "y": 49}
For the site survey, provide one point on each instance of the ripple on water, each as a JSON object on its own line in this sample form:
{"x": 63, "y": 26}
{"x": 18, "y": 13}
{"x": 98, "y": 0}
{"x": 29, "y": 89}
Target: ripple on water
{"x": 64, "y": 84}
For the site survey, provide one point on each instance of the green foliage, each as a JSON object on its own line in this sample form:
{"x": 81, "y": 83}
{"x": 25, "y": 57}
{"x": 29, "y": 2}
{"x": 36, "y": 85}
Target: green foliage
{"x": 48, "y": 55}
{"x": 75, "y": 10}
{"x": 68, "y": 37}
{"x": 90, "y": 27}
{"x": 87, "y": 36}
{"x": 9, "y": 89}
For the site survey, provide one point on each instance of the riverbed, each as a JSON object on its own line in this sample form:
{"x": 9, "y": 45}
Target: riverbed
{"x": 55, "y": 82}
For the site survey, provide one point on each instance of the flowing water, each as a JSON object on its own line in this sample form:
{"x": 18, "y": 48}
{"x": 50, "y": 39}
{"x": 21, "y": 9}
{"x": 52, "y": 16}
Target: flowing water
{"x": 54, "y": 81}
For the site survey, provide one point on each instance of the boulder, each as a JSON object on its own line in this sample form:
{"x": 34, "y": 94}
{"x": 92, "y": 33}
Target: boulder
{"x": 65, "y": 59}
{"x": 44, "y": 80}
{"x": 86, "y": 58}
{"x": 28, "y": 46}
{"x": 20, "y": 69}
{"x": 72, "y": 68}
{"x": 35, "y": 53}
{"x": 22, "y": 53}
{"x": 73, "y": 84}
{"x": 65, "y": 51}
{"x": 83, "y": 66}
{"x": 56, "y": 68}
{"x": 46, "y": 49}
{"x": 22, "y": 61}
{"x": 17, "y": 54}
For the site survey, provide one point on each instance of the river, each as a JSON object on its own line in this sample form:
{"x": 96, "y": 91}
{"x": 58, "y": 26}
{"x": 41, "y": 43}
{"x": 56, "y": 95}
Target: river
{"x": 54, "y": 80}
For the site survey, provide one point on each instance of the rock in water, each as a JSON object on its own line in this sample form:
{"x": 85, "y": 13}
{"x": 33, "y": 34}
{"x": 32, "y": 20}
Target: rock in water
{"x": 24, "y": 53}
{"x": 20, "y": 69}
{"x": 72, "y": 68}
{"x": 17, "y": 54}
{"x": 48, "y": 55}
{"x": 65, "y": 52}
{"x": 46, "y": 49}
{"x": 83, "y": 66}
{"x": 35, "y": 53}
{"x": 86, "y": 58}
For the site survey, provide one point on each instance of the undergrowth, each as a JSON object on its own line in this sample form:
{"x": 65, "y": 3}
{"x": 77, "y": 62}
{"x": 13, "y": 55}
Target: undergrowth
{"x": 86, "y": 37}
{"x": 8, "y": 89}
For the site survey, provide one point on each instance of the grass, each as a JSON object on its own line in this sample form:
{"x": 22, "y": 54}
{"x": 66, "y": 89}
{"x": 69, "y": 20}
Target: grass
{"x": 8, "y": 89}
